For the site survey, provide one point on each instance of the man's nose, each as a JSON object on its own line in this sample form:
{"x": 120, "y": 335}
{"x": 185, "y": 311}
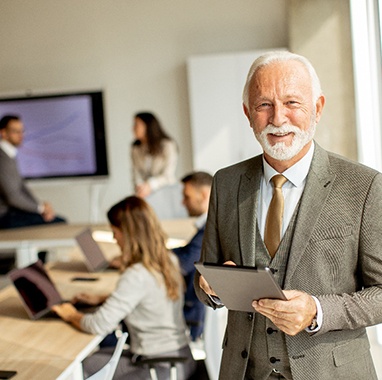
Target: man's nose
{"x": 279, "y": 116}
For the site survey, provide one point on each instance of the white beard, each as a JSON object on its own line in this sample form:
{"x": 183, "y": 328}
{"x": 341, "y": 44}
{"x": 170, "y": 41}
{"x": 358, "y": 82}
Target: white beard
{"x": 281, "y": 151}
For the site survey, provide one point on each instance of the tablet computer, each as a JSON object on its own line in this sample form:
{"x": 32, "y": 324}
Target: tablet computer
{"x": 238, "y": 286}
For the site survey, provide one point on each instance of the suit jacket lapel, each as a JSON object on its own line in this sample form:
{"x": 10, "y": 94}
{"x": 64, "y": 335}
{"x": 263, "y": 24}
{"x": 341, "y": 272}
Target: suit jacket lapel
{"x": 317, "y": 188}
{"x": 248, "y": 198}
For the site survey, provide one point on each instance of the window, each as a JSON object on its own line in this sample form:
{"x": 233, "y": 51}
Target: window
{"x": 367, "y": 58}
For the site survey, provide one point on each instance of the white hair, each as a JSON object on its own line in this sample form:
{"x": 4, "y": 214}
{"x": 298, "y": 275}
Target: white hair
{"x": 281, "y": 56}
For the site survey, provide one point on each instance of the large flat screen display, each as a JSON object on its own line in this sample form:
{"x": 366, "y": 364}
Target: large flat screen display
{"x": 64, "y": 135}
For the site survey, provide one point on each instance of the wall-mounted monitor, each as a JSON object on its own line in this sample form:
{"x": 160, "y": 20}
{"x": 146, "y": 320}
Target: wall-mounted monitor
{"x": 64, "y": 134}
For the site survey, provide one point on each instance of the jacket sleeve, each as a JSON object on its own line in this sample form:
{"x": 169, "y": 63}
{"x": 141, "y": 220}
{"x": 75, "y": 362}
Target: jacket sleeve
{"x": 363, "y": 307}
{"x": 13, "y": 189}
{"x": 210, "y": 247}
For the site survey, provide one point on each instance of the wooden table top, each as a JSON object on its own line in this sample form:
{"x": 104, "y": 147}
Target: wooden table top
{"x": 175, "y": 228}
{"x": 44, "y": 348}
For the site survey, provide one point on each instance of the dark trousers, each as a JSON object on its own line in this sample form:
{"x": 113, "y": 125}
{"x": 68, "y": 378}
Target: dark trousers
{"x": 15, "y": 218}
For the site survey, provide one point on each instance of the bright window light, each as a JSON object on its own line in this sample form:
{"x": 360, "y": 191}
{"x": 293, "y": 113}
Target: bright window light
{"x": 366, "y": 38}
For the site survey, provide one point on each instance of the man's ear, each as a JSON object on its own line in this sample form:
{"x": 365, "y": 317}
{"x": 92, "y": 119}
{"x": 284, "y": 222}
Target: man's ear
{"x": 246, "y": 112}
{"x": 205, "y": 192}
{"x": 319, "y": 107}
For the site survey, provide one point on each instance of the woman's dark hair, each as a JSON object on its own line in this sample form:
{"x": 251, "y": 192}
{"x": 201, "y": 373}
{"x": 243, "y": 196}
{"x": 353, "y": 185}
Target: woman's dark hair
{"x": 154, "y": 133}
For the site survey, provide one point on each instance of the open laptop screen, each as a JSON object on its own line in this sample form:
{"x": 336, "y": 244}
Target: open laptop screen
{"x": 95, "y": 260}
{"x": 36, "y": 289}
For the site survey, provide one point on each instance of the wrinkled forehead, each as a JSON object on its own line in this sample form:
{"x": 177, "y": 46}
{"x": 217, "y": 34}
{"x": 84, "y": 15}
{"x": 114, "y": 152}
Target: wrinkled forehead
{"x": 281, "y": 77}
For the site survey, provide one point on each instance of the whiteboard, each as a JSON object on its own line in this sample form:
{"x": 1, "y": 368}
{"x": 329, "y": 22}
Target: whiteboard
{"x": 220, "y": 131}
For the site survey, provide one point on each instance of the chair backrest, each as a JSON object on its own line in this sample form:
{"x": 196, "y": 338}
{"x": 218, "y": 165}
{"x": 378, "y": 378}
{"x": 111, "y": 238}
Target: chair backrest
{"x": 167, "y": 202}
{"x": 107, "y": 371}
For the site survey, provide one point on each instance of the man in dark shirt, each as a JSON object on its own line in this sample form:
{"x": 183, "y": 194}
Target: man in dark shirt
{"x": 196, "y": 195}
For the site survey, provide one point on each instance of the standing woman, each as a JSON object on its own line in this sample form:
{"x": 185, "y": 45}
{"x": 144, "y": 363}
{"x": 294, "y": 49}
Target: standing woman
{"x": 148, "y": 297}
{"x": 154, "y": 155}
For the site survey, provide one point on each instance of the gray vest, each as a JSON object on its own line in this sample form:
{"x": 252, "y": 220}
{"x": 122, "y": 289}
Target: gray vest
{"x": 268, "y": 354}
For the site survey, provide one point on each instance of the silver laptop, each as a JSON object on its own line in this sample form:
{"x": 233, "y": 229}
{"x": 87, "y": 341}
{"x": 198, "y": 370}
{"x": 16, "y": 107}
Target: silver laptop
{"x": 95, "y": 259}
{"x": 37, "y": 291}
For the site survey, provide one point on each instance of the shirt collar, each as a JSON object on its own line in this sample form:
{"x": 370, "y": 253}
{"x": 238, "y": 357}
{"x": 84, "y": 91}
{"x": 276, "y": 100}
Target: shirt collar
{"x": 200, "y": 221}
{"x": 8, "y": 148}
{"x": 296, "y": 174}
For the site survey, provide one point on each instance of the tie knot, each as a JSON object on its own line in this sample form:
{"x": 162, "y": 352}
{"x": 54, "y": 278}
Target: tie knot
{"x": 278, "y": 181}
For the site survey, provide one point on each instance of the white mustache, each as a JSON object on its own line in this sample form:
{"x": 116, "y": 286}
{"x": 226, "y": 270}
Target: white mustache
{"x": 283, "y": 130}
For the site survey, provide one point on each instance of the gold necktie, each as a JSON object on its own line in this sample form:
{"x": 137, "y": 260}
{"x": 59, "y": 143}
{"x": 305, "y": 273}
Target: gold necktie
{"x": 274, "y": 220}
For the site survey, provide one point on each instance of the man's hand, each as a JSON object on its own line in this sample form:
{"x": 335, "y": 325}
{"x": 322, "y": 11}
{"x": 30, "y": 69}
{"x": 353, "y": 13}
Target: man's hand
{"x": 291, "y": 316}
{"x": 205, "y": 286}
{"x": 48, "y": 213}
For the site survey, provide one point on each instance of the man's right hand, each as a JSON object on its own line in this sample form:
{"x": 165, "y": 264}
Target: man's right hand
{"x": 205, "y": 286}
{"x": 48, "y": 212}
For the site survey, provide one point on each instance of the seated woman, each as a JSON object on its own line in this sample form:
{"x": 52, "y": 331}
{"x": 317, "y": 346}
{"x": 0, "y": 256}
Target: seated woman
{"x": 154, "y": 155}
{"x": 148, "y": 297}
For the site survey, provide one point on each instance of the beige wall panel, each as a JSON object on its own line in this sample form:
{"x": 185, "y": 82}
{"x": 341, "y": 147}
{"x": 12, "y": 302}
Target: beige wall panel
{"x": 320, "y": 30}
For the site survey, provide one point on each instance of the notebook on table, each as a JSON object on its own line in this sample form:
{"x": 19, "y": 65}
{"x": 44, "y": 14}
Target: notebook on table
{"x": 37, "y": 291}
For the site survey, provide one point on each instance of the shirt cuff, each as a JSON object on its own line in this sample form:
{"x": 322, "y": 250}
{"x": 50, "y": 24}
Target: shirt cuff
{"x": 40, "y": 208}
{"x": 319, "y": 316}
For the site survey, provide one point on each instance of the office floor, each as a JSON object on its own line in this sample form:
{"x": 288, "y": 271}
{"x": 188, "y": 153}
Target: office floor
{"x": 376, "y": 348}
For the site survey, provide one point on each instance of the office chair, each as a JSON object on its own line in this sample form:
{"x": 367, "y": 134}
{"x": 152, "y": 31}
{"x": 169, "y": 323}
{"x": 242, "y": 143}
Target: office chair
{"x": 107, "y": 371}
{"x": 150, "y": 362}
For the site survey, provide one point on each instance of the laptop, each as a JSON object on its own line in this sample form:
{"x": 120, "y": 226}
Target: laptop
{"x": 95, "y": 259}
{"x": 37, "y": 291}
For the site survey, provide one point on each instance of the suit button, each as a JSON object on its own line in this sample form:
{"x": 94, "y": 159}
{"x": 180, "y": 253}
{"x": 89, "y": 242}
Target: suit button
{"x": 273, "y": 360}
{"x": 270, "y": 330}
{"x": 250, "y": 316}
{"x": 244, "y": 354}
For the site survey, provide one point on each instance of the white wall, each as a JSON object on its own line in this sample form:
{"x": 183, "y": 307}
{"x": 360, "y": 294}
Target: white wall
{"x": 136, "y": 51}
{"x": 221, "y": 135}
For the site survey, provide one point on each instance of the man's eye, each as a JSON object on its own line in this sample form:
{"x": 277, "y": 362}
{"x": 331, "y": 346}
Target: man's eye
{"x": 263, "y": 106}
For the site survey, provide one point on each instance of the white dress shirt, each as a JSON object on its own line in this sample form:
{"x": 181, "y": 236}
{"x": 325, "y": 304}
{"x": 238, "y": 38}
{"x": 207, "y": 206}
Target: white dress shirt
{"x": 8, "y": 148}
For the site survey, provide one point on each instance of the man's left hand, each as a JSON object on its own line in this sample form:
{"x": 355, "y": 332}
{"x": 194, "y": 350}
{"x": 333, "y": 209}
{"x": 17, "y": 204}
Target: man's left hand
{"x": 291, "y": 316}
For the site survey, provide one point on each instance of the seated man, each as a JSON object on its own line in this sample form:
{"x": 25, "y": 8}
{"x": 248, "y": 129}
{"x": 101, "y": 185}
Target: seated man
{"x": 18, "y": 206}
{"x": 196, "y": 195}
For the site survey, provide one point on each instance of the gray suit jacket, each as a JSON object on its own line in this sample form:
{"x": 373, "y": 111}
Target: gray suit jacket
{"x": 336, "y": 255}
{"x": 13, "y": 192}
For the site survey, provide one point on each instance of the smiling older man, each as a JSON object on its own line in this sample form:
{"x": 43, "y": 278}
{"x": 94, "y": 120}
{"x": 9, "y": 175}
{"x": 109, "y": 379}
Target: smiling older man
{"x": 312, "y": 216}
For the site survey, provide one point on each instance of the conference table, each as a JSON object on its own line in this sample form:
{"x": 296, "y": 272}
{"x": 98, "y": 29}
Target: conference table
{"x": 26, "y": 242}
{"x": 49, "y": 348}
